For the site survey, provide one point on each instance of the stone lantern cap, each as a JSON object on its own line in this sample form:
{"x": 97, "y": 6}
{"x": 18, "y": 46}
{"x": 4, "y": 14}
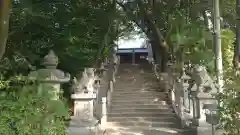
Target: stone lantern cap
{"x": 50, "y": 60}
{"x": 50, "y": 73}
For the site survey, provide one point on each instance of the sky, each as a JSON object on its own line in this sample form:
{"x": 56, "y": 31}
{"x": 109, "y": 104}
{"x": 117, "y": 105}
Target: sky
{"x": 136, "y": 42}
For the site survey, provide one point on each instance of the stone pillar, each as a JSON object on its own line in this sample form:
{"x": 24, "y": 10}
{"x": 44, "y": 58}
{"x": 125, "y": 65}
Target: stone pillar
{"x": 109, "y": 93}
{"x": 133, "y": 56}
{"x": 150, "y": 54}
{"x": 50, "y": 78}
{"x": 164, "y": 81}
{"x": 185, "y": 85}
{"x": 116, "y": 63}
{"x": 104, "y": 110}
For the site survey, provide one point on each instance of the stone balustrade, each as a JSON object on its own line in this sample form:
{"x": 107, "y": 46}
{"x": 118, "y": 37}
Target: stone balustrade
{"x": 190, "y": 93}
{"x": 106, "y": 87}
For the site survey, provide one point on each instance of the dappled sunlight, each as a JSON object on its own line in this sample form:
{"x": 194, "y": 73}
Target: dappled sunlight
{"x": 115, "y": 129}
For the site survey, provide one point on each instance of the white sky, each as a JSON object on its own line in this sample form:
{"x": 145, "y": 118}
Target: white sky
{"x": 136, "y": 42}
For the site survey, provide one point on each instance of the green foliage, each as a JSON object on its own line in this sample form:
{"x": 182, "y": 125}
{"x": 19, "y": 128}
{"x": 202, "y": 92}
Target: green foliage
{"x": 191, "y": 42}
{"x": 228, "y": 38}
{"x": 230, "y": 105}
{"x": 230, "y": 97}
{"x": 73, "y": 29}
{"x": 24, "y": 111}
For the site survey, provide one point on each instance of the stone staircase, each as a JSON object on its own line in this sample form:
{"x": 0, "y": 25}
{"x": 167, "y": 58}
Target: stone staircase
{"x": 139, "y": 106}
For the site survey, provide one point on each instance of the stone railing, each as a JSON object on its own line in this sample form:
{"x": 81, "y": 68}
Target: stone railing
{"x": 192, "y": 97}
{"x": 107, "y": 74}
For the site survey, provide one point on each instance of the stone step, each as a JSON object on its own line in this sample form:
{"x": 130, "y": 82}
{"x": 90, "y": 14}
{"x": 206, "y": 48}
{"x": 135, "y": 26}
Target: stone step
{"x": 140, "y": 106}
{"x": 145, "y": 119}
{"x": 143, "y": 92}
{"x": 137, "y": 89}
{"x": 136, "y": 100}
{"x": 138, "y": 93}
{"x": 145, "y": 124}
{"x": 168, "y": 110}
{"x": 134, "y": 114}
{"x": 136, "y": 76}
{"x": 136, "y": 86}
{"x": 127, "y": 82}
{"x": 140, "y": 101}
{"x": 140, "y": 77}
{"x": 142, "y": 130}
{"x": 137, "y": 97}
{"x": 141, "y": 71}
{"x": 152, "y": 90}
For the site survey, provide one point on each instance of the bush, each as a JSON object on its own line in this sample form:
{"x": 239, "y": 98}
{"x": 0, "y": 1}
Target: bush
{"x": 24, "y": 111}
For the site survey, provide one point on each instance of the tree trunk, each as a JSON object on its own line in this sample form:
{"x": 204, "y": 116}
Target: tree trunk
{"x": 161, "y": 46}
{"x": 218, "y": 50}
{"x": 236, "y": 57}
{"x": 164, "y": 59}
{"x": 5, "y": 6}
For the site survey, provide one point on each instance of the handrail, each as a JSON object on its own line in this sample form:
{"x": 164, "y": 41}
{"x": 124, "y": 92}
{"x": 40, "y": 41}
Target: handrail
{"x": 106, "y": 87}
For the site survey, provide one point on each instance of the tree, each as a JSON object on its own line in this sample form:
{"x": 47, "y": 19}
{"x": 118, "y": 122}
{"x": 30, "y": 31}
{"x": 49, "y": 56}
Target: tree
{"x": 217, "y": 41}
{"x": 4, "y": 22}
{"x": 143, "y": 14}
{"x": 236, "y": 58}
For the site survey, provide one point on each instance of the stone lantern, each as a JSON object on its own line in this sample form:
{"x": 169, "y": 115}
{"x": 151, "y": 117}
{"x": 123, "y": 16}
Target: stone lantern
{"x": 50, "y": 77}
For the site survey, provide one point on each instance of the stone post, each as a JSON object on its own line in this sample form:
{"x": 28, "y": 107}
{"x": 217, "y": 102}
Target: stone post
{"x": 116, "y": 63}
{"x": 50, "y": 78}
{"x": 133, "y": 56}
{"x": 185, "y": 84}
{"x": 164, "y": 81}
{"x": 150, "y": 54}
{"x": 104, "y": 110}
{"x": 109, "y": 93}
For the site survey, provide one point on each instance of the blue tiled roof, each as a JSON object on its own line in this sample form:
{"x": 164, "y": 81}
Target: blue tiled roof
{"x": 129, "y": 50}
